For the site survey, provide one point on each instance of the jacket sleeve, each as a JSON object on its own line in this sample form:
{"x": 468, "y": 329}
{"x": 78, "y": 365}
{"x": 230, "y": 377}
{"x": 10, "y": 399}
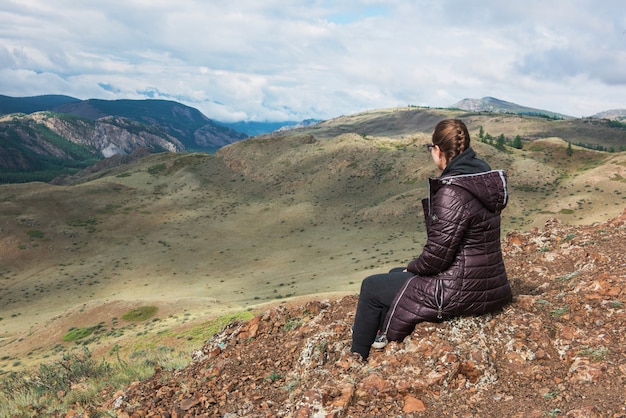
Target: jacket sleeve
{"x": 448, "y": 222}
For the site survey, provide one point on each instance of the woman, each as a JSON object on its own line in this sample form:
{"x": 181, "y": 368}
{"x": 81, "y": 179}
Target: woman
{"x": 460, "y": 270}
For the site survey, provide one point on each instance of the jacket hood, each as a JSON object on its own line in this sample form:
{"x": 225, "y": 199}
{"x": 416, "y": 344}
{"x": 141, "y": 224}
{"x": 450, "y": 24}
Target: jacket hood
{"x": 489, "y": 187}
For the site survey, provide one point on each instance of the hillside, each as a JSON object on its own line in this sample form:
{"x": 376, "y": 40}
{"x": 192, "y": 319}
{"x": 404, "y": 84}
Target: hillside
{"x": 330, "y": 206}
{"x": 304, "y": 214}
{"x": 558, "y": 350}
{"x": 399, "y": 123}
{"x": 43, "y": 145}
{"x": 193, "y": 129}
{"x": 74, "y": 133}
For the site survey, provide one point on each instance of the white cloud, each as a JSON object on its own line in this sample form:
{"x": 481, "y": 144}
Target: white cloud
{"x": 276, "y": 59}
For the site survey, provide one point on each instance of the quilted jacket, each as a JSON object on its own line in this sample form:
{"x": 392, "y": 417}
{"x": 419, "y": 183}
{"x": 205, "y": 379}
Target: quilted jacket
{"x": 460, "y": 270}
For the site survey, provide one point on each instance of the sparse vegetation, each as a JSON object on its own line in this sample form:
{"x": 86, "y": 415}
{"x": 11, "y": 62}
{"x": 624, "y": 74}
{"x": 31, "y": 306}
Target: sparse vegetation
{"x": 141, "y": 313}
{"x": 559, "y": 311}
{"x": 35, "y": 233}
{"x": 78, "y": 333}
{"x": 89, "y": 224}
{"x": 76, "y": 378}
{"x": 595, "y": 354}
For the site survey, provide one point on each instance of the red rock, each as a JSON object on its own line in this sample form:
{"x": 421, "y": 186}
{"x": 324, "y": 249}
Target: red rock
{"x": 583, "y": 370}
{"x": 187, "y": 404}
{"x": 373, "y": 385}
{"x": 516, "y": 362}
{"x": 347, "y": 391}
{"x": 412, "y": 404}
{"x": 469, "y": 370}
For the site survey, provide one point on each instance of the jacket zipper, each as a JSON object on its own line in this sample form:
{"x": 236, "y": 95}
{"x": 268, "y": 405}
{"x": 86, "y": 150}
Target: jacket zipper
{"x": 439, "y": 298}
{"x": 395, "y": 305}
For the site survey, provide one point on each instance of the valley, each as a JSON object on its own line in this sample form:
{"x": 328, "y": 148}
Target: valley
{"x": 301, "y": 214}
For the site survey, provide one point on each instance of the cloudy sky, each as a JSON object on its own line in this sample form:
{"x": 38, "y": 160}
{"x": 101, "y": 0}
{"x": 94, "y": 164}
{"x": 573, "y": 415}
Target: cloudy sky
{"x": 292, "y": 60}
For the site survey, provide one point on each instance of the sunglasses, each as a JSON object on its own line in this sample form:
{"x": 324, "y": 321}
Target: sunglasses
{"x": 429, "y": 147}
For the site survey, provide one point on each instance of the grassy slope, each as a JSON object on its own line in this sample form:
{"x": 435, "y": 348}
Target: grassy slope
{"x": 264, "y": 219}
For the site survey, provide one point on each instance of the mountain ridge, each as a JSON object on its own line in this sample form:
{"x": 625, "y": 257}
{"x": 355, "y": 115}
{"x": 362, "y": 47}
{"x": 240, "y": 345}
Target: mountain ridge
{"x": 146, "y": 129}
{"x": 33, "y": 104}
{"x": 614, "y": 114}
{"x": 491, "y": 104}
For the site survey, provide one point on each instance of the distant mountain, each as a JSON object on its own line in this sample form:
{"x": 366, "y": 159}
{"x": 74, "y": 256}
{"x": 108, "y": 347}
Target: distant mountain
{"x": 193, "y": 129}
{"x": 32, "y": 104}
{"x": 43, "y": 145}
{"x": 45, "y": 136}
{"x": 491, "y": 104}
{"x": 614, "y": 114}
{"x": 304, "y": 124}
{"x": 260, "y": 128}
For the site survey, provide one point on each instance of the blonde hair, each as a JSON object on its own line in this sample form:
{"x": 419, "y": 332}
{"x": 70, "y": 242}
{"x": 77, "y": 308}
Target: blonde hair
{"x": 451, "y": 137}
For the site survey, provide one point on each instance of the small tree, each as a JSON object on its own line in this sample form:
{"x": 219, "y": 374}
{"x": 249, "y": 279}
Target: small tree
{"x": 570, "y": 151}
{"x": 517, "y": 142}
{"x": 500, "y": 142}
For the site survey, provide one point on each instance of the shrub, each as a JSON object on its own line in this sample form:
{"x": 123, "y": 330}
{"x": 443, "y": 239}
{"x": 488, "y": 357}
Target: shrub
{"x": 71, "y": 369}
{"x": 25, "y": 394}
{"x": 78, "y": 333}
{"x": 140, "y": 314}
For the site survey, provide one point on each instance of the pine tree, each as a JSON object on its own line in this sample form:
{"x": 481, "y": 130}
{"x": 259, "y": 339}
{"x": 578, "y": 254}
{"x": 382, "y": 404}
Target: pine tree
{"x": 500, "y": 143}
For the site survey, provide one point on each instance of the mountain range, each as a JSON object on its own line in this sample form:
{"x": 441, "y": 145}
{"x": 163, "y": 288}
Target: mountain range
{"x": 43, "y": 137}
{"x": 188, "y": 125}
{"x": 493, "y": 105}
{"x": 46, "y": 136}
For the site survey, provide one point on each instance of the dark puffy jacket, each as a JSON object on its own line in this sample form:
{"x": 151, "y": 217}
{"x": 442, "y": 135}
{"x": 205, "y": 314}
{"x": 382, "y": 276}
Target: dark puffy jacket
{"x": 460, "y": 270}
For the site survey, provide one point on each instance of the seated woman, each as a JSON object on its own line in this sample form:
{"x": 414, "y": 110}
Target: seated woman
{"x": 460, "y": 270}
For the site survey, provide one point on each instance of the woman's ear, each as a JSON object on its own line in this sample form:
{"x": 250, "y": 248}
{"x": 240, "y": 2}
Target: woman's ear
{"x": 439, "y": 158}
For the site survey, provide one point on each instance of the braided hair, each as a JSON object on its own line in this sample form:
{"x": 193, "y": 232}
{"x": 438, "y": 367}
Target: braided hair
{"x": 452, "y": 138}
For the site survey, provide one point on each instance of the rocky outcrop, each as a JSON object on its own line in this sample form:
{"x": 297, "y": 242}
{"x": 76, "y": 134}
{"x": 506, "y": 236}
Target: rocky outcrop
{"x": 110, "y": 133}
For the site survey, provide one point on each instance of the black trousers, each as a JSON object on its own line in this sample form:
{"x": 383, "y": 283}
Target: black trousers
{"x": 377, "y": 294}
